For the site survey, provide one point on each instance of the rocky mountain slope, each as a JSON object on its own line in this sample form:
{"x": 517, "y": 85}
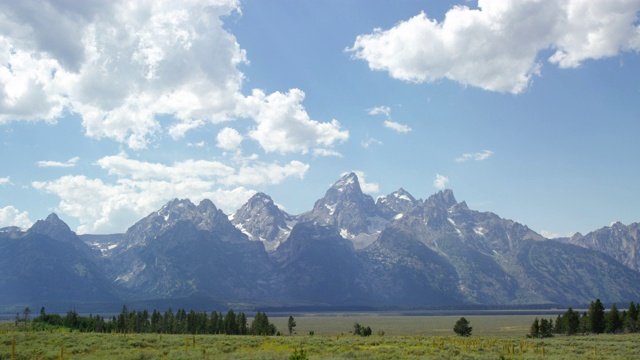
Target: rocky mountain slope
{"x": 260, "y": 219}
{"x": 184, "y": 249}
{"x": 347, "y": 250}
{"x": 619, "y": 241}
{"x": 345, "y": 206}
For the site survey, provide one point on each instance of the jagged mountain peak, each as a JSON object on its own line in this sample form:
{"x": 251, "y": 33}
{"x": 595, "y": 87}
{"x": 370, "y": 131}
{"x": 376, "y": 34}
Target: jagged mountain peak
{"x": 56, "y": 229}
{"x": 206, "y": 216}
{"x": 347, "y": 188}
{"x": 345, "y": 206}
{"x": 260, "y": 198}
{"x": 443, "y": 198}
{"x": 206, "y": 205}
{"x": 53, "y": 227}
{"x": 53, "y": 217}
{"x": 622, "y": 242}
{"x": 404, "y": 195}
{"x": 461, "y": 206}
{"x": 348, "y": 181}
{"x": 262, "y": 220}
{"x": 396, "y": 204}
{"x": 176, "y": 205}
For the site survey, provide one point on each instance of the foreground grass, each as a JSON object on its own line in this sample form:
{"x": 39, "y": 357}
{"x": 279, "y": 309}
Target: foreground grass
{"x": 63, "y": 344}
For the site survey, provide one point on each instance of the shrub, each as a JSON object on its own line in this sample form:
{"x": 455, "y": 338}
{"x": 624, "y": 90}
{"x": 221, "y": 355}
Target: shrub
{"x": 299, "y": 354}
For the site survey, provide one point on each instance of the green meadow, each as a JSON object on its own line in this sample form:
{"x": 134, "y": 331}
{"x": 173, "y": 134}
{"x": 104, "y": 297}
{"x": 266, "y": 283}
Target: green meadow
{"x": 405, "y": 337}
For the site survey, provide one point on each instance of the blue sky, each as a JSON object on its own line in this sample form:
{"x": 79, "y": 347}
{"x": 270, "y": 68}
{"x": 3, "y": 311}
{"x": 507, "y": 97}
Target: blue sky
{"x": 527, "y": 109}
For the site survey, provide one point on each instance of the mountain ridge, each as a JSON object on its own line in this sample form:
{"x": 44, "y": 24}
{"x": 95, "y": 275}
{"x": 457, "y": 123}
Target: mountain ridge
{"x": 347, "y": 250}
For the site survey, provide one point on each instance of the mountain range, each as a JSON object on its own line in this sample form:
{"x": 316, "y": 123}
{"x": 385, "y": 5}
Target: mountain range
{"x": 348, "y": 250}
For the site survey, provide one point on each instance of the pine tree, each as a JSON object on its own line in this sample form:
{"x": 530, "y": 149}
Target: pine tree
{"x": 584, "y": 323}
{"x": 291, "y": 324}
{"x": 242, "y": 324}
{"x": 462, "y": 328}
{"x": 534, "y": 331}
{"x": 357, "y": 329}
{"x": 544, "y": 329}
{"x": 230, "y": 325}
{"x": 596, "y": 317}
{"x": 213, "y": 323}
{"x": 26, "y": 312}
{"x": 122, "y": 319}
{"x": 571, "y": 322}
{"x": 613, "y": 324}
{"x": 559, "y": 325}
{"x": 632, "y": 318}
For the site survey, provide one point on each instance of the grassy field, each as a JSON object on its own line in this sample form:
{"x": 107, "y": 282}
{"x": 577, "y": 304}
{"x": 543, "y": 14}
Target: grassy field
{"x": 395, "y": 325}
{"x": 405, "y": 337}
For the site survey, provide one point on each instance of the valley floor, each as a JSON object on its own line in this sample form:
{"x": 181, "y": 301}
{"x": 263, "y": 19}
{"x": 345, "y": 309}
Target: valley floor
{"x": 404, "y": 338}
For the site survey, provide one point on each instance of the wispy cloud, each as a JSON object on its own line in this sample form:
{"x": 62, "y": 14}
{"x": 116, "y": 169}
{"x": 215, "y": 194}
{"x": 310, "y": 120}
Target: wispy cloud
{"x": 440, "y": 182}
{"x": 70, "y": 163}
{"x": 5, "y": 180}
{"x": 401, "y": 128}
{"x": 384, "y": 110}
{"x": 326, "y": 152}
{"x": 479, "y": 156}
{"x": 388, "y": 123}
{"x": 368, "y": 141}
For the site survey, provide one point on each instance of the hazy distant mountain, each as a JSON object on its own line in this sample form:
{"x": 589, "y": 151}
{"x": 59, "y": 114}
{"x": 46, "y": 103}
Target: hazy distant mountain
{"x": 36, "y": 268}
{"x": 57, "y": 229}
{"x": 618, "y": 241}
{"x": 261, "y": 220}
{"x": 347, "y": 250}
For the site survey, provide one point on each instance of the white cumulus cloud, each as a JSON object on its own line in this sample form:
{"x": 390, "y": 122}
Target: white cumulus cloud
{"x": 479, "y": 156}
{"x": 141, "y": 187}
{"x": 5, "y": 180}
{"x": 122, "y": 66}
{"x": 119, "y": 64}
{"x": 228, "y": 139}
{"x": 10, "y": 216}
{"x": 264, "y": 173}
{"x": 284, "y": 125}
{"x": 440, "y": 182}
{"x": 496, "y": 46}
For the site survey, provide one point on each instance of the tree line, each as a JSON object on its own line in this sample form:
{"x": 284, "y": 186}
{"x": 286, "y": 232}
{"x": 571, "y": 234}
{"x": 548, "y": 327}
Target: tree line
{"x": 180, "y": 322}
{"x": 594, "y": 321}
